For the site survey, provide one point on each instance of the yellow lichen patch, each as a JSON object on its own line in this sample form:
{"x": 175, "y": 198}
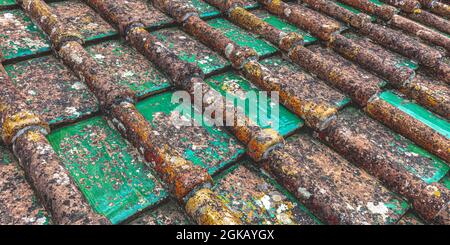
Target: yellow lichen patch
{"x": 13, "y": 123}
{"x": 34, "y": 136}
{"x": 290, "y": 40}
{"x": 262, "y": 143}
{"x": 247, "y": 19}
{"x": 207, "y": 209}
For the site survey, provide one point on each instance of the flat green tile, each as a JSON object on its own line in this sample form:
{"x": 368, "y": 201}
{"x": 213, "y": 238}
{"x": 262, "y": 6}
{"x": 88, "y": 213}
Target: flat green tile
{"x": 446, "y": 181}
{"x": 395, "y": 148}
{"x": 236, "y": 86}
{"x": 205, "y": 9}
{"x": 283, "y": 25}
{"x": 204, "y": 145}
{"x": 242, "y": 37}
{"x": 108, "y": 170}
{"x": 128, "y": 67}
{"x": 257, "y": 199}
{"x": 79, "y": 16}
{"x": 7, "y": 3}
{"x": 61, "y": 99}
{"x": 191, "y": 50}
{"x": 418, "y": 112}
{"x": 19, "y": 36}
{"x": 354, "y": 10}
{"x": 6, "y": 157}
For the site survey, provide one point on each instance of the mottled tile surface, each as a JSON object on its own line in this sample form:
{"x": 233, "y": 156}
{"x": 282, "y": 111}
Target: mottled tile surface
{"x": 52, "y": 90}
{"x": 257, "y": 200}
{"x": 238, "y": 88}
{"x": 418, "y": 112}
{"x": 304, "y": 85}
{"x": 208, "y": 11}
{"x": 206, "y": 146}
{"x": 18, "y": 203}
{"x": 108, "y": 170}
{"x": 128, "y": 67}
{"x": 242, "y": 37}
{"x": 144, "y": 10}
{"x": 191, "y": 50}
{"x": 19, "y": 36}
{"x": 410, "y": 219}
{"x": 332, "y": 188}
{"x": 283, "y": 25}
{"x": 169, "y": 213}
{"x": 392, "y": 147}
{"x": 82, "y": 18}
{"x": 388, "y": 55}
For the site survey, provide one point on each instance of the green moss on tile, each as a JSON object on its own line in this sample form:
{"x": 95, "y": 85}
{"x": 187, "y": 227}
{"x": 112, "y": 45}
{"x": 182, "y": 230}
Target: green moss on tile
{"x": 232, "y": 84}
{"x": 108, "y": 170}
{"x": 204, "y": 145}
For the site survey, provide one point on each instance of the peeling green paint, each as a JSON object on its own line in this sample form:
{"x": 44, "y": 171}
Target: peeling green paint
{"x": 234, "y": 85}
{"x": 191, "y": 50}
{"x": 108, "y": 170}
{"x": 438, "y": 124}
{"x": 206, "y": 146}
{"x": 20, "y": 37}
{"x": 241, "y": 37}
{"x": 284, "y": 25}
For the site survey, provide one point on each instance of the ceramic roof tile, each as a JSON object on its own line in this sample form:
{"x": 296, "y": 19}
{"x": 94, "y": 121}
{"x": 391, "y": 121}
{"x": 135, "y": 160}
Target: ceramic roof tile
{"x": 79, "y": 16}
{"x": 18, "y": 203}
{"x": 20, "y": 36}
{"x": 258, "y": 200}
{"x": 128, "y": 67}
{"x": 63, "y": 98}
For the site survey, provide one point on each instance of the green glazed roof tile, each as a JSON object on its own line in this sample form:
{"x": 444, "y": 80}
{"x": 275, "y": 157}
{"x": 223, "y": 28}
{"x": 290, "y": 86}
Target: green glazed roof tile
{"x": 283, "y": 25}
{"x": 242, "y": 37}
{"x": 418, "y": 112}
{"x": 19, "y": 36}
{"x": 108, "y": 170}
{"x": 236, "y": 86}
{"x": 83, "y": 19}
{"x": 204, "y": 145}
{"x": 446, "y": 181}
{"x": 128, "y": 67}
{"x": 62, "y": 98}
{"x": 7, "y": 3}
{"x": 191, "y": 50}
